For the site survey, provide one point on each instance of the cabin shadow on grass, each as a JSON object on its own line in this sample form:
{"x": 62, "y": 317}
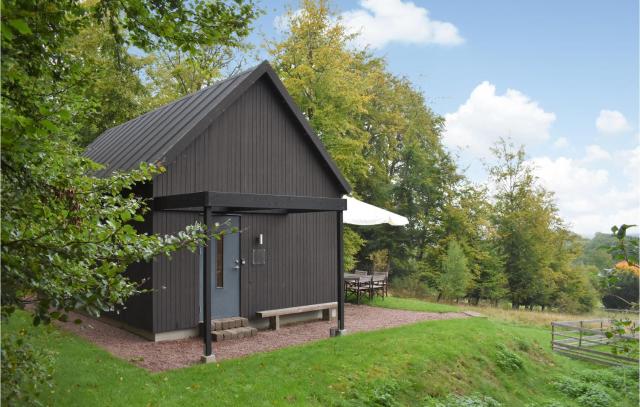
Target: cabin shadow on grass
{"x": 424, "y": 364}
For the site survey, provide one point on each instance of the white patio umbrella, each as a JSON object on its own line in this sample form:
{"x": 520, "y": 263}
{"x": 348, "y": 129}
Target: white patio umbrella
{"x": 362, "y": 213}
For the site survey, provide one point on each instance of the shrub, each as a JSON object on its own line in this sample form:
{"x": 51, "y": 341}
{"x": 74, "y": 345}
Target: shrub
{"x": 587, "y": 389}
{"x": 377, "y": 393}
{"x": 618, "y": 378}
{"x": 411, "y": 287}
{"x": 523, "y": 345}
{"x": 476, "y": 400}
{"x": 595, "y": 397}
{"x": 571, "y": 387}
{"x": 508, "y": 360}
{"x": 622, "y": 381}
{"x": 26, "y": 371}
{"x": 384, "y": 395}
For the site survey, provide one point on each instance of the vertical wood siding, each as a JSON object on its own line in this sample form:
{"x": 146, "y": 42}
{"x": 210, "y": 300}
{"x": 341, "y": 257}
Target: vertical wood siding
{"x": 176, "y": 279}
{"x": 138, "y": 309}
{"x": 301, "y": 261}
{"x": 256, "y": 146}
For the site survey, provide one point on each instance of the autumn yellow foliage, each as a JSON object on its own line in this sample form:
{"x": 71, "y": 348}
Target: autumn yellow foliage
{"x": 627, "y": 266}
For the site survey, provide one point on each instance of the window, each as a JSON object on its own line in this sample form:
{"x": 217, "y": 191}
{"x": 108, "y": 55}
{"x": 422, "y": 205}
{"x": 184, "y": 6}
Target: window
{"x": 219, "y": 263}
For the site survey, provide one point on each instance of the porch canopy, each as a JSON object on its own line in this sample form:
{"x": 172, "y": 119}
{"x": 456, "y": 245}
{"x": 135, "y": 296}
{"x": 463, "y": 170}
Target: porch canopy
{"x": 225, "y": 202}
{"x": 362, "y": 213}
{"x": 208, "y": 202}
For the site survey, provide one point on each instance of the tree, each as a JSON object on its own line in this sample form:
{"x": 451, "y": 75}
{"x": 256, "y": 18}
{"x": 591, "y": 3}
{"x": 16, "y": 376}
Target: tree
{"x": 61, "y": 224}
{"x": 327, "y": 80}
{"x": 173, "y": 73}
{"x": 539, "y": 252}
{"x": 467, "y": 218}
{"x": 525, "y": 218}
{"x": 115, "y": 93}
{"x": 488, "y": 277}
{"x": 594, "y": 251}
{"x": 377, "y": 128}
{"x": 570, "y": 285}
{"x": 328, "y": 83}
{"x": 67, "y": 236}
{"x": 454, "y": 277}
{"x": 352, "y": 244}
{"x": 387, "y": 142}
{"x": 423, "y": 180}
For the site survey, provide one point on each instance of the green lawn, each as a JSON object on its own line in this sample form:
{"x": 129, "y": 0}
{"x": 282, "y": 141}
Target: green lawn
{"x": 411, "y": 365}
{"x": 507, "y": 315}
{"x": 412, "y": 304}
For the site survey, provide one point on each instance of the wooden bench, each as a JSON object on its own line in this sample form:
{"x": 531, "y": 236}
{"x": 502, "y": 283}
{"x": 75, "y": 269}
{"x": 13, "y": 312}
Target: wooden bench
{"x": 275, "y": 314}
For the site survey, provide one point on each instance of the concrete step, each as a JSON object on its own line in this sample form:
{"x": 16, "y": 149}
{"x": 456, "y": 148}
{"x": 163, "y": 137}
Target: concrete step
{"x": 228, "y": 323}
{"x": 233, "y": 333}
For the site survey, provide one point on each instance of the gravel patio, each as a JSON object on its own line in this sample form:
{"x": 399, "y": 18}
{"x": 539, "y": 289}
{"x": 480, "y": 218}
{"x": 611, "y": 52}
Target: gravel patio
{"x": 159, "y": 356}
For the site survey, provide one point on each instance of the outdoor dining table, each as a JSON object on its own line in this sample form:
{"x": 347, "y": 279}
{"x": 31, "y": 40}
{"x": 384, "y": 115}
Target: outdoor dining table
{"x": 357, "y": 283}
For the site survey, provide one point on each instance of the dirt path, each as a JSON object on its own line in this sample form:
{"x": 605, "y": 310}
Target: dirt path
{"x": 159, "y": 356}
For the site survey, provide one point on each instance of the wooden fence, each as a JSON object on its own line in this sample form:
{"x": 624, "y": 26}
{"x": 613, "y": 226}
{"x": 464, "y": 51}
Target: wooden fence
{"x": 587, "y": 340}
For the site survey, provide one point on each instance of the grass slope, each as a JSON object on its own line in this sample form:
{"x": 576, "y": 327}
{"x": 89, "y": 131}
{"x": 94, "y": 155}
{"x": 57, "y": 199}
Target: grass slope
{"x": 412, "y": 365}
{"x": 412, "y": 304}
{"x": 518, "y": 317}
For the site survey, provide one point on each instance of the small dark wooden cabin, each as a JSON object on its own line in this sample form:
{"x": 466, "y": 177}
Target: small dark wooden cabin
{"x": 239, "y": 152}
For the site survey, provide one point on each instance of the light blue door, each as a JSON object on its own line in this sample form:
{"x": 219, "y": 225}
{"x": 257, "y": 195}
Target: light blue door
{"x": 225, "y": 269}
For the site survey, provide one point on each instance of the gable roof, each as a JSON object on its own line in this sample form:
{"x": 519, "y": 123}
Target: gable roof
{"x": 160, "y": 135}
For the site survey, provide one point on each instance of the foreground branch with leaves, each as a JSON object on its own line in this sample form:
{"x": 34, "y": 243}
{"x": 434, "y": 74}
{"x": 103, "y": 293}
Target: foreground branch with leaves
{"x": 68, "y": 236}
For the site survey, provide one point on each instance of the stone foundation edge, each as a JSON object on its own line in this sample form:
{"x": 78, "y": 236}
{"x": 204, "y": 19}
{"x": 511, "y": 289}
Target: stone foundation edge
{"x": 260, "y": 324}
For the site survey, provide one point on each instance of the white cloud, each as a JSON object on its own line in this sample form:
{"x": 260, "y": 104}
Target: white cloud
{"x": 630, "y": 160}
{"x": 487, "y": 116}
{"x": 595, "y": 153}
{"x": 561, "y": 143}
{"x": 380, "y": 22}
{"x": 612, "y": 122}
{"x": 587, "y": 198}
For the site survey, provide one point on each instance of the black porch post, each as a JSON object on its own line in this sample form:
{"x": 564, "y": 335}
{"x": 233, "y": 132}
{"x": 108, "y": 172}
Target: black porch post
{"x": 206, "y": 290}
{"x": 340, "y": 274}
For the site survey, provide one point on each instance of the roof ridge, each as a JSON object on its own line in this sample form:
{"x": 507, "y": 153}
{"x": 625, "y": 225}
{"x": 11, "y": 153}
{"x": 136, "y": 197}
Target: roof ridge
{"x": 160, "y": 135}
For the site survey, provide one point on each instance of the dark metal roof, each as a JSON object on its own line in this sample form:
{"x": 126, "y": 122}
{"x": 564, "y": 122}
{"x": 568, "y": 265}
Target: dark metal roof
{"x": 160, "y": 135}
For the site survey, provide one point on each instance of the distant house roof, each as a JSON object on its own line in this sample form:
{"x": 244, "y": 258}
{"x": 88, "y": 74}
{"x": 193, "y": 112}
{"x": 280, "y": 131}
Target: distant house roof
{"x": 160, "y": 135}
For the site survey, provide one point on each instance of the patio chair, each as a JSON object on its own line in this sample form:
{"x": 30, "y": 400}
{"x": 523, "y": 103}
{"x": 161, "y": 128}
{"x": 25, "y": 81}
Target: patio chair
{"x": 379, "y": 284}
{"x": 359, "y": 286}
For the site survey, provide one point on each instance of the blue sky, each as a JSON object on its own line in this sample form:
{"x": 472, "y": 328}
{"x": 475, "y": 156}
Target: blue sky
{"x": 560, "y": 77}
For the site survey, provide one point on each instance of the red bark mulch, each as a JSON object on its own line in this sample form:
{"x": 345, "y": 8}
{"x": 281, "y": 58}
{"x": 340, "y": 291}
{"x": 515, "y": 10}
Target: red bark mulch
{"x": 159, "y": 356}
